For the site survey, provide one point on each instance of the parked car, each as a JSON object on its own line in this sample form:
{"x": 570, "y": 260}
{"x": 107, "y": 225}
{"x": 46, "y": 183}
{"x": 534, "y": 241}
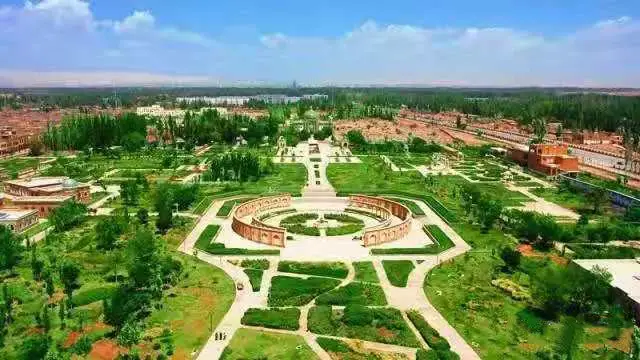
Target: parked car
{"x": 239, "y": 286}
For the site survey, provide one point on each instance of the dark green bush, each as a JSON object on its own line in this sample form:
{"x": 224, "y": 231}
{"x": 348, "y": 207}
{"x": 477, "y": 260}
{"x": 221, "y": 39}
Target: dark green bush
{"x": 354, "y": 293}
{"x": 357, "y": 315}
{"x": 531, "y": 321}
{"x": 333, "y": 345}
{"x": 286, "y": 319}
{"x": 255, "y": 278}
{"x": 329, "y": 269}
{"x": 294, "y": 291}
{"x": 398, "y": 271}
{"x": 260, "y": 264}
{"x": 85, "y": 297}
{"x": 429, "y": 334}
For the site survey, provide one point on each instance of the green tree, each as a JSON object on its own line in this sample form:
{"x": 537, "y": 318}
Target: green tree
{"x": 144, "y": 261}
{"x": 511, "y": 257}
{"x": 571, "y": 333}
{"x": 108, "y": 231}
{"x": 634, "y": 354}
{"x": 67, "y": 216}
{"x": 10, "y": 249}
{"x": 143, "y": 216}
{"x": 70, "y": 277}
{"x": 598, "y": 197}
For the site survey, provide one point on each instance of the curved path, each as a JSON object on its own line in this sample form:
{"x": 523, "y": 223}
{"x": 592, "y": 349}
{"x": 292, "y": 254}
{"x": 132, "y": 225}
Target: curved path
{"x": 411, "y": 297}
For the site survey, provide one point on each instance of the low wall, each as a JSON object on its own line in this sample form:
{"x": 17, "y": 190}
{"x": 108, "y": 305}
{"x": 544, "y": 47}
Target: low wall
{"x": 378, "y": 235}
{"x": 615, "y": 197}
{"x": 256, "y": 230}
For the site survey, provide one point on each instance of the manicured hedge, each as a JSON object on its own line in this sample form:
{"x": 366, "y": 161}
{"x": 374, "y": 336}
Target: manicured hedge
{"x": 333, "y": 345}
{"x": 365, "y": 272}
{"x": 343, "y": 218}
{"x": 355, "y": 293}
{"x": 361, "y": 322}
{"x": 398, "y": 271}
{"x": 255, "y": 278}
{"x": 228, "y": 205}
{"x": 276, "y": 213}
{"x": 285, "y": 319}
{"x": 299, "y": 218}
{"x": 301, "y": 229}
{"x": 441, "y": 243}
{"x": 344, "y": 229}
{"x": 329, "y": 269}
{"x": 260, "y": 264}
{"x": 295, "y": 291}
{"x": 429, "y": 334}
{"x": 207, "y": 236}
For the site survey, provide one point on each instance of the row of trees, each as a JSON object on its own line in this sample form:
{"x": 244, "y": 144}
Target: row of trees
{"x": 239, "y": 166}
{"x": 359, "y": 144}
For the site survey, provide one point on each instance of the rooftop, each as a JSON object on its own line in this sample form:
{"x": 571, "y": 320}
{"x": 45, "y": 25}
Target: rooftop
{"x": 624, "y": 272}
{"x": 14, "y": 214}
{"x": 47, "y": 183}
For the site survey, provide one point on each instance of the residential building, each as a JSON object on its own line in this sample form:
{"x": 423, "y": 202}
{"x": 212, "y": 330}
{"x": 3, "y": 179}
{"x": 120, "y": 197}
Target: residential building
{"x": 18, "y": 220}
{"x": 549, "y": 159}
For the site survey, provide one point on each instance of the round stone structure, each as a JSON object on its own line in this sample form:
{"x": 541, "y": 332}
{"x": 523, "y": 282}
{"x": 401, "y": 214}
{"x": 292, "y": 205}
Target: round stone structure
{"x": 256, "y": 230}
{"x": 386, "y": 231}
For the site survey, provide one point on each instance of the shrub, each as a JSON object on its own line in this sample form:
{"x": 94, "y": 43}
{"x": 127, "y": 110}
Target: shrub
{"x": 255, "y": 278}
{"x": 260, "y": 264}
{"x": 333, "y": 345}
{"x": 531, "y": 321}
{"x": 441, "y": 243}
{"x": 207, "y": 236}
{"x": 299, "y": 218}
{"x": 286, "y": 319}
{"x": 301, "y": 229}
{"x": 294, "y": 291}
{"x": 365, "y": 272}
{"x": 343, "y": 218}
{"x": 321, "y": 320}
{"x": 329, "y": 269}
{"x": 357, "y": 315}
{"x": 344, "y": 229}
{"x": 354, "y": 293}
{"x": 89, "y": 296}
{"x": 423, "y": 354}
{"x": 398, "y": 271}
{"x": 429, "y": 334}
{"x": 586, "y": 251}
{"x": 516, "y": 291}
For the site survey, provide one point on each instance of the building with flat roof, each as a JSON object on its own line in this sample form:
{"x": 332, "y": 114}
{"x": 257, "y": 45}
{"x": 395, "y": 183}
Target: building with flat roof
{"x": 18, "y": 220}
{"x": 549, "y": 159}
{"x": 625, "y": 274}
{"x": 43, "y": 193}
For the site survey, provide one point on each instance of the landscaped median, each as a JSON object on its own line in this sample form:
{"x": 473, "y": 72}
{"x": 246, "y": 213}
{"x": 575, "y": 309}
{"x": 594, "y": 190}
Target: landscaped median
{"x": 327, "y": 269}
{"x": 254, "y": 268}
{"x": 441, "y": 242}
{"x": 440, "y": 348}
{"x": 283, "y": 318}
{"x": 398, "y": 271}
{"x": 383, "y": 325}
{"x": 207, "y": 244}
{"x": 228, "y": 205}
{"x": 296, "y": 291}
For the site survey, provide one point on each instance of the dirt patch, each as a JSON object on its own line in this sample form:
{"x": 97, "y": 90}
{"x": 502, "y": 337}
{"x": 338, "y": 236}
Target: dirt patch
{"x": 379, "y": 130}
{"x": 181, "y": 354}
{"x": 386, "y": 333}
{"x": 624, "y": 342}
{"x": 105, "y": 350}
{"x": 528, "y": 347}
{"x": 71, "y": 339}
{"x": 527, "y": 250}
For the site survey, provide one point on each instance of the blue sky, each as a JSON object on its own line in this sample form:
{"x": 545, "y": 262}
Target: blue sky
{"x": 355, "y": 42}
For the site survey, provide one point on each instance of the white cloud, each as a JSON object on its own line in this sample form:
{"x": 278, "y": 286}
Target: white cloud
{"x": 65, "y": 34}
{"x": 138, "y": 21}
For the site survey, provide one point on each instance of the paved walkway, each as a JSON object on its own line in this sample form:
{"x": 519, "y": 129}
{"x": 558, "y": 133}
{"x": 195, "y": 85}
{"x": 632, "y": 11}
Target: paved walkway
{"x": 411, "y": 297}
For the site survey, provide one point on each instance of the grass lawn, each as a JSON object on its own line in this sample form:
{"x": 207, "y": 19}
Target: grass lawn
{"x": 483, "y": 314}
{"x": 295, "y": 291}
{"x": 255, "y": 277}
{"x": 228, "y": 205}
{"x": 176, "y": 235}
{"x": 441, "y": 242}
{"x": 354, "y": 293}
{"x": 365, "y": 272}
{"x": 384, "y": 325}
{"x": 200, "y": 302}
{"x": 16, "y": 165}
{"x": 203, "y": 205}
{"x": 207, "y": 236}
{"x": 285, "y": 318}
{"x": 328, "y": 269}
{"x": 253, "y": 344}
{"x": 286, "y": 178}
{"x": 398, "y": 271}
{"x": 98, "y": 196}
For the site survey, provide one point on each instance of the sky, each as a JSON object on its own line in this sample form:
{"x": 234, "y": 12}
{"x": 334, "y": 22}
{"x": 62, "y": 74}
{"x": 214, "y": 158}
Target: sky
{"x": 501, "y": 43}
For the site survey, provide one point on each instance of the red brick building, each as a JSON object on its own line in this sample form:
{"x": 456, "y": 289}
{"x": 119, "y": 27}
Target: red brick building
{"x": 44, "y": 193}
{"x": 549, "y": 159}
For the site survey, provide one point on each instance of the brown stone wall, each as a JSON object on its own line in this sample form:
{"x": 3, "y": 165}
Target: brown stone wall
{"x": 379, "y": 235}
{"x": 256, "y": 230}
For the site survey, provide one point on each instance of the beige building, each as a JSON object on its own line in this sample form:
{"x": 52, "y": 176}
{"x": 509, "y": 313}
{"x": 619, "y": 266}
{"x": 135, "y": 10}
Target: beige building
{"x": 18, "y": 220}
